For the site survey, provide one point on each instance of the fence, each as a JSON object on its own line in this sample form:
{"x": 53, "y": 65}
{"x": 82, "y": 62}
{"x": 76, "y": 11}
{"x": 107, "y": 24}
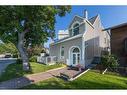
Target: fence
{"x": 49, "y": 60}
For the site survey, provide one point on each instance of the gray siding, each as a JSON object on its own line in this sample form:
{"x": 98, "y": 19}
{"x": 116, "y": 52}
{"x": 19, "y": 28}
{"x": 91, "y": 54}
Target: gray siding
{"x": 81, "y": 27}
{"x": 94, "y": 38}
{"x": 89, "y": 42}
{"x": 76, "y": 18}
{"x": 55, "y": 49}
{"x": 93, "y": 41}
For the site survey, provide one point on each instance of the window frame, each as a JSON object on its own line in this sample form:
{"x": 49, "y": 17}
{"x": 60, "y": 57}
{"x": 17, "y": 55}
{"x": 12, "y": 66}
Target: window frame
{"x": 75, "y": 27}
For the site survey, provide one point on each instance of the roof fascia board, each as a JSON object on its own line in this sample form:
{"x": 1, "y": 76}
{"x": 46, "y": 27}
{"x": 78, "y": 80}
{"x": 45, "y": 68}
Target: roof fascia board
{"x": 71, "y": 38}
{"x": 116, "y": 26}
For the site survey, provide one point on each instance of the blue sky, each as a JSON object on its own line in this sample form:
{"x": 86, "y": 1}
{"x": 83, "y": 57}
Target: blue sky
{"x": 110, "y": 16}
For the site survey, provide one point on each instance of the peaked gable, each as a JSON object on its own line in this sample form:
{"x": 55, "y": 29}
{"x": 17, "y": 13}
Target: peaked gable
{"x": 76, "y": 19}
{"x": 93, "y": 19}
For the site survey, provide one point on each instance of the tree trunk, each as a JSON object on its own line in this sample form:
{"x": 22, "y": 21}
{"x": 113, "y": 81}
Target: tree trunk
{"x": 22, "y": 51}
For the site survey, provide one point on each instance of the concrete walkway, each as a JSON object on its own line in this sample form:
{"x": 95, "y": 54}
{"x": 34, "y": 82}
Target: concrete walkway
{"x": 29, "y": 79}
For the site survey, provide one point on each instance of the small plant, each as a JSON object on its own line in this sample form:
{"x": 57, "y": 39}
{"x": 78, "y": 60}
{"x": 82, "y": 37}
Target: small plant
{"x": 33, "y": 59}
{"x": 109, "y": 61}
{"x": 19, "y": 61}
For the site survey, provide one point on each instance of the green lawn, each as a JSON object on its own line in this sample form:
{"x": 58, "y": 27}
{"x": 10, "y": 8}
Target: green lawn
{"x": 90, "y": 80}
{"x": 15, "y": 70}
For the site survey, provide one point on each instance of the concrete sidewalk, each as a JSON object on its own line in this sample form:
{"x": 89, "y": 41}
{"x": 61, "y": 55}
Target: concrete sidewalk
{"x": 29, "y": 79}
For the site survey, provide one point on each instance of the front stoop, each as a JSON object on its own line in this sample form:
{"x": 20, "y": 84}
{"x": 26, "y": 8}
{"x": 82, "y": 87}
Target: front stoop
{"x": 77, "y": 76}
{"x": 71, "y": 75}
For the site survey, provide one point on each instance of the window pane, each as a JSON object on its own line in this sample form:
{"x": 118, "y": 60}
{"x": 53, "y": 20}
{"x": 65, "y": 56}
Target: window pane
{"x": 74, "y": 58}
{"x": 62, "y": 51}
{"x": 78, "y": 58}
{"x": 76, "y": 25}
{"x": 75, "y": 29}
{"x": 76, "y": 50}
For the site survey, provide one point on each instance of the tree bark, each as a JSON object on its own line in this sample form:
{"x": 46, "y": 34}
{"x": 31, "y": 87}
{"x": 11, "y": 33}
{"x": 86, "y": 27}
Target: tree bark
{"x": 22, "y": 51}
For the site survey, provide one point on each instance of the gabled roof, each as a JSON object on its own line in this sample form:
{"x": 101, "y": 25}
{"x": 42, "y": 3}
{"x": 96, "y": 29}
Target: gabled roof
{"x": 74, "y": 18}
{"x": 116, "y": 26}
{"x": 92, "y": 20}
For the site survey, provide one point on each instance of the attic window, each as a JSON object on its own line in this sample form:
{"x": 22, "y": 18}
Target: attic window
{"x": 75, "y": 29}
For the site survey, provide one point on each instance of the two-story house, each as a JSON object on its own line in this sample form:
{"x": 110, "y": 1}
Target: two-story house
{"x": 86, "y": 40}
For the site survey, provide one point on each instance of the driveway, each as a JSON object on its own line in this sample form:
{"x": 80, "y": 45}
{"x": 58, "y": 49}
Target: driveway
{"x": 4, "y": 62}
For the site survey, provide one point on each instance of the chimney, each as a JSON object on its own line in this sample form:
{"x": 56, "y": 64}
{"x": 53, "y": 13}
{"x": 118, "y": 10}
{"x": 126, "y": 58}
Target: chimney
{"x": 85, "y": 14}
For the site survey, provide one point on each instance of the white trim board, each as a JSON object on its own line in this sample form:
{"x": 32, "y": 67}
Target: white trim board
{"x": 70, "y": 53}
{"x": 71, "y": 38}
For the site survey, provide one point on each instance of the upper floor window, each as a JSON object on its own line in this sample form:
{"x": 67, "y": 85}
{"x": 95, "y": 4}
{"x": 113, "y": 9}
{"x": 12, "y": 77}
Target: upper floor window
{"x": 75, "y": 30}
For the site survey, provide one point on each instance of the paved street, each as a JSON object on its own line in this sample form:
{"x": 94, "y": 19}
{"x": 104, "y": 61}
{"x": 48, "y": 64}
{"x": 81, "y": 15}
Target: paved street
{"x": 4, "y": 62}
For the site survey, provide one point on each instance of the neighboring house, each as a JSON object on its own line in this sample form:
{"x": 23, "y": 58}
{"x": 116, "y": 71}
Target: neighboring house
{"x": 119, "y": 42}
{"x": 86, "y": 40}
{"x": 62, "y": 34}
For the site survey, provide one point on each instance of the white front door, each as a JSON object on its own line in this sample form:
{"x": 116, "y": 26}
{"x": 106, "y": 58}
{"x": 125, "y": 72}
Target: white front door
{"x": 75, "y": 58}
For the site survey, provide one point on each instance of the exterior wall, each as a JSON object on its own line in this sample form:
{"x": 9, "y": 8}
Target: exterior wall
{"x": 55, "y": 49}
{"x": 89, "y": 44}
{"x": 76, "y": 18}
{"x": 104, "y": 37}
{"x": 81, "y": 27}
{"x": 118, "y": 35}
{"x": 94, "y": 40}
{"x": 62, "y": 34}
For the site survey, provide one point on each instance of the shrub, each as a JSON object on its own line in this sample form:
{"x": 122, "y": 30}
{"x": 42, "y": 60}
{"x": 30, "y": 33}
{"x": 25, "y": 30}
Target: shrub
{"x": 15, "y": 55}
{"x": 33, "y": 59}
{"x": 60, "y": 62}
{"x": 19, "y": 61}
{"x": 109, "y": 61}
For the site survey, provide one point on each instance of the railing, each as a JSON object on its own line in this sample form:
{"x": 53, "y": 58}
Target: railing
{"x": 47, "y": 60}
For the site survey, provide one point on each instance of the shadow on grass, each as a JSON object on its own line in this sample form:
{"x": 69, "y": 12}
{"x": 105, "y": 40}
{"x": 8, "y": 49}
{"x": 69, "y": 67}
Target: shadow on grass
{"x": 59, "y": 84}
{"x": 13, "y": 71}
{"x": 89, "y": 80}
{"x": 16, "y": 83}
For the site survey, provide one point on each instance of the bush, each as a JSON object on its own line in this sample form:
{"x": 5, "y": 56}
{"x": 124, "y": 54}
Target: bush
{"x": 15, "y": 55}
{"x": 109, "y": 61}
{"x": 33, "y": 59}
{"x": 19, "y": 61}
{"x": 60, "y": 62}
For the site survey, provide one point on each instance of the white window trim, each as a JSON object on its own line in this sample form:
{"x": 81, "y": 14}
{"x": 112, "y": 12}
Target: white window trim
{"x": 70, "y": 49}
{"x": 72, "y": 27}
